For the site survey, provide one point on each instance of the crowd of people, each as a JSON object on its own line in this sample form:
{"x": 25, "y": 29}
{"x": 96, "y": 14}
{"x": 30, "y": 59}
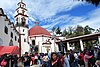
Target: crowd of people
{"x": 86, "y": 58}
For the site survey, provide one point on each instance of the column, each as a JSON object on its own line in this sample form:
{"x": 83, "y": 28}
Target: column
{"x": 81, "y": 44}
{"x": 68, "y": 46}
{"x": 99, "y": 40}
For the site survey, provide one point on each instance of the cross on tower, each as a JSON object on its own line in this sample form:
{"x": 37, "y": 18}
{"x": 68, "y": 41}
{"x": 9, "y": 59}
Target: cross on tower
{"x": 21, "y": 0}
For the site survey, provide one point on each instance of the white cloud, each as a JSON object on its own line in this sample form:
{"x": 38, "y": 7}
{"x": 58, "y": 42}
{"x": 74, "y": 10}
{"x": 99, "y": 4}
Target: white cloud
{"x": 45, "y": 10}
{"x": 41, "y": 9}
{"x": 31, "y": 18}
{"x": 92, "y": 19}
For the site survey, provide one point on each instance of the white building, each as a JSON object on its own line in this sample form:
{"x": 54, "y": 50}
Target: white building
{"x": 8, "y": 33}
{"x": 11, "y": 34}
{"x": 42, "y": 38}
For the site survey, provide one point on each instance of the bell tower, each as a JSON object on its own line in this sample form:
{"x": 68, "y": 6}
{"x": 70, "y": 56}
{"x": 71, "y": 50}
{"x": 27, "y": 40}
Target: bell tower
{"x": 21, "y": 18}
{"x": 21, "y": 24}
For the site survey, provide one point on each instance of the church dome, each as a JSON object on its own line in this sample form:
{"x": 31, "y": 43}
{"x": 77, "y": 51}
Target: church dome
{"x": 37, "y": 30}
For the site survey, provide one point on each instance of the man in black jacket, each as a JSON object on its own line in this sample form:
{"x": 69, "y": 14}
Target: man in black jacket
{"x": 27, "y": 60}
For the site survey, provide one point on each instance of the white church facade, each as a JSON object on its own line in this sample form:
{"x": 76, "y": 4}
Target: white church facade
{"x": 20, "y": 35}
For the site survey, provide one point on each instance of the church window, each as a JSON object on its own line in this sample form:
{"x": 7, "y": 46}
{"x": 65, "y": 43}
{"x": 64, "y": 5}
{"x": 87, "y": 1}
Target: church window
{"x": 17, "y": 20}
{"x": 23, "y": 11}
{"x": 33, "y": 42}
{"x": 17, "y": 11}
{"x": 11, "y": 35}
{"x": 23, "y": 30}
{"x": 20, "y": 5}
{"x": 24, "y": 40}
{"x": 15, "y": 38}
{"x": 6, "y": 30}
{"x": 23, "y": 19}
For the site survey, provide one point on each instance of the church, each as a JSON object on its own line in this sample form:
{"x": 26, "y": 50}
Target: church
{"x": 28, "y": 40}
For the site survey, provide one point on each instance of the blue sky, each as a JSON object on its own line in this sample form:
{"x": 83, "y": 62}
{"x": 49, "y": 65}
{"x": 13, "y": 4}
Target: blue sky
{"x": 54, "y": 13}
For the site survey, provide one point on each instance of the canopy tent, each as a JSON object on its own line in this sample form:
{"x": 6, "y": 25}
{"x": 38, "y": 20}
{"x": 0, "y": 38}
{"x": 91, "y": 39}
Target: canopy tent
{"x": 9, "y": 50}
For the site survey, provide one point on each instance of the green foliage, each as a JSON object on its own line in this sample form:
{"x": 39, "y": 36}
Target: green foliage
{"x": 64, "y": 33}
{"x": 53, "y": 29}
{"x": 88, "y": 30}
{"x": 94, "y": 2}
{"x": 97, "y": 30}
{"x": 79, "y": 30}
{"x": 58, "y": 31}
{"x": 74, "y": 31}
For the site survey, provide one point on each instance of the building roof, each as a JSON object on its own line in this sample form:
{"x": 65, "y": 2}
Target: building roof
{"x": 83, "y": 37}
{"x": 37, "y": 30}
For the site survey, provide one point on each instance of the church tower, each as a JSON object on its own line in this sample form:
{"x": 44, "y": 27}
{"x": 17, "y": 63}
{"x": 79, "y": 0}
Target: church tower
{"x": 21, "y": 23}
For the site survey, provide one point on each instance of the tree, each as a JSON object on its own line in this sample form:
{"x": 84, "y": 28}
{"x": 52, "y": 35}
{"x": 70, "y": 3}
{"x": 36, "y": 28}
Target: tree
{"x": 53, "y": 30}
{"x": 94, "y": 2}
{"x": 88, "y": 30}
{"x": 70, "y": 32}
{"x": 64, "y": 33}
{"x": 97, "y": 30}
{"x": 79, "y": 30}
{"x": 58, "y": 31}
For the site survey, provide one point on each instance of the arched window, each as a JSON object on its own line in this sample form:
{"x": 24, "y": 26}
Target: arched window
{"x": 23, "y": 11}
{"x": 11, "y": 35}
{"x": 33, "y": 42}
{"x": 6, "y": 30}
{"x": 15, "y": 38}
{"x": 23, "y": 19}
{"x": 24, "y": 40}
{"x": 17, "y": 11}
{"x": 17, "y": 20}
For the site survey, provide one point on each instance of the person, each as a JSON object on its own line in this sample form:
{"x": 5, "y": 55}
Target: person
{"x": 66, "y": 62}
{"x": 71, "y": 58}
{"x": 15, "y": 59}
{"x": 81, "y": 60}
{"x": 86, "y": 58}
{"x": 75, "y": 62}
{"x": 54, "y": 60}
{"x": 61, "y": 59}
{"x": 35, "y": 58}
{"x": 32, "y": 57}
{"x": 4, "y": 61}
{"x": 20, "y": 62}
{"x": 39, "y": 61}
{"x": 27, "y": 60}
{"x": 97, "y": 63}
{"x": 45, "y": 60}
